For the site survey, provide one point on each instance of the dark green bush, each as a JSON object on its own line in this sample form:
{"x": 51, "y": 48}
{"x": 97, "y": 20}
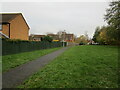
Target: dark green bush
{"x": 47, "y": 38}
{"x": 18, "y": 46}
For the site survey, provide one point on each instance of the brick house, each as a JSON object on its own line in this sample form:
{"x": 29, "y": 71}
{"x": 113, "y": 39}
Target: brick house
{"x": 14, "y": 26}
{"x": 33, "y": 37}
{"x": 64, "y": 36}
{"x": 69, "y": 37}
{"x": 54, "y": 36}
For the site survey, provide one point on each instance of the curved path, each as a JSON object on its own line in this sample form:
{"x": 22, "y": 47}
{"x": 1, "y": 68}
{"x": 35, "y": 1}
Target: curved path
{"x": 17, "y": 75}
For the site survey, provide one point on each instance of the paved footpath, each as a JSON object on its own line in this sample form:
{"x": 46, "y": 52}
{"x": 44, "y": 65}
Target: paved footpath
{"x": 17, "y": 75}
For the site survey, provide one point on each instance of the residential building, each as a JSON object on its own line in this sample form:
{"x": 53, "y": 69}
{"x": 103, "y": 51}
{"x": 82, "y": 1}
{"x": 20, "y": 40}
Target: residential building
{"x": 14, "y": 26}
{"x": 64, "y": 36}
{"x": 69, "y": 37}
{"x": 55, "y": 37}
{"x": 34, "y": 37}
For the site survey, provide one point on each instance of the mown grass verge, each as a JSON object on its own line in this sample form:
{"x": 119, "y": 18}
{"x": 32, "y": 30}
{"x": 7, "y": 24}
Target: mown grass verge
{"x": 79, "y": 67}
{"x": 14, "y": 60}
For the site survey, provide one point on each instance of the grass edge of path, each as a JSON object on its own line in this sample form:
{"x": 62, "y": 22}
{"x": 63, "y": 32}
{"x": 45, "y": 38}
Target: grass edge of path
{"x": 14, "y": 60}
{"x": 45, "y": 71}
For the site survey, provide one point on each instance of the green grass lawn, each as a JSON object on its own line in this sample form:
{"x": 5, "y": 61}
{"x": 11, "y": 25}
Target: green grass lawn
{"x": 14, "y": 60}
{"x": 79, "y": 67}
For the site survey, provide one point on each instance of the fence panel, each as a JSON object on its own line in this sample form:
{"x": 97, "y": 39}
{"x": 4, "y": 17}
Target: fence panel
{"x": 13, "y": 47}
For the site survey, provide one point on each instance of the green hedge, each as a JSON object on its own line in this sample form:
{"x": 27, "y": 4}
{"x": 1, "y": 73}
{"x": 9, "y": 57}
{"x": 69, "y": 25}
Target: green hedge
{"x": 13, "y": 47}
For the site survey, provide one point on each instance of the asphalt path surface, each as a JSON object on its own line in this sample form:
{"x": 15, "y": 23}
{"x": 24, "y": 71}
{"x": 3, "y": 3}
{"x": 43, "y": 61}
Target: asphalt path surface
{"x": 16, "y": 76}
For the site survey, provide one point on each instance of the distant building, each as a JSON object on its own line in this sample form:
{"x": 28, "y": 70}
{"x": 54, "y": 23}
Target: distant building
{"x": 69, "y": 37}
{"x": 62, "y": 37}
{"x": 33, "y": 37}
{"x": 55, "y": 37}
{"x": 14, "y": 26}
{"x": 66, "y": 36}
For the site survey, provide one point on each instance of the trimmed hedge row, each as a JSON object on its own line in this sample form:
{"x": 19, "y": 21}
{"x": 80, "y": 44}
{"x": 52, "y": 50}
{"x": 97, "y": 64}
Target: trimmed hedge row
{"x": 13, "y": 47}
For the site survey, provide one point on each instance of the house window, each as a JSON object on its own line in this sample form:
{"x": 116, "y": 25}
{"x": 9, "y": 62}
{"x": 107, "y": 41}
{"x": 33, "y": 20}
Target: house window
{"x": 0, "y": 27}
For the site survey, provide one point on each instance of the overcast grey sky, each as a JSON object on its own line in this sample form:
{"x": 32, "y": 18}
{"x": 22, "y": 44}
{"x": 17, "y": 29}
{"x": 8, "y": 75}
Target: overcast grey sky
{"x": 74, "y": 17}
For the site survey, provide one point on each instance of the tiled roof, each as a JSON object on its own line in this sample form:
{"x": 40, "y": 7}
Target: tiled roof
{"x": 7, "y": 17}
{"x": 37, "y": 35}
